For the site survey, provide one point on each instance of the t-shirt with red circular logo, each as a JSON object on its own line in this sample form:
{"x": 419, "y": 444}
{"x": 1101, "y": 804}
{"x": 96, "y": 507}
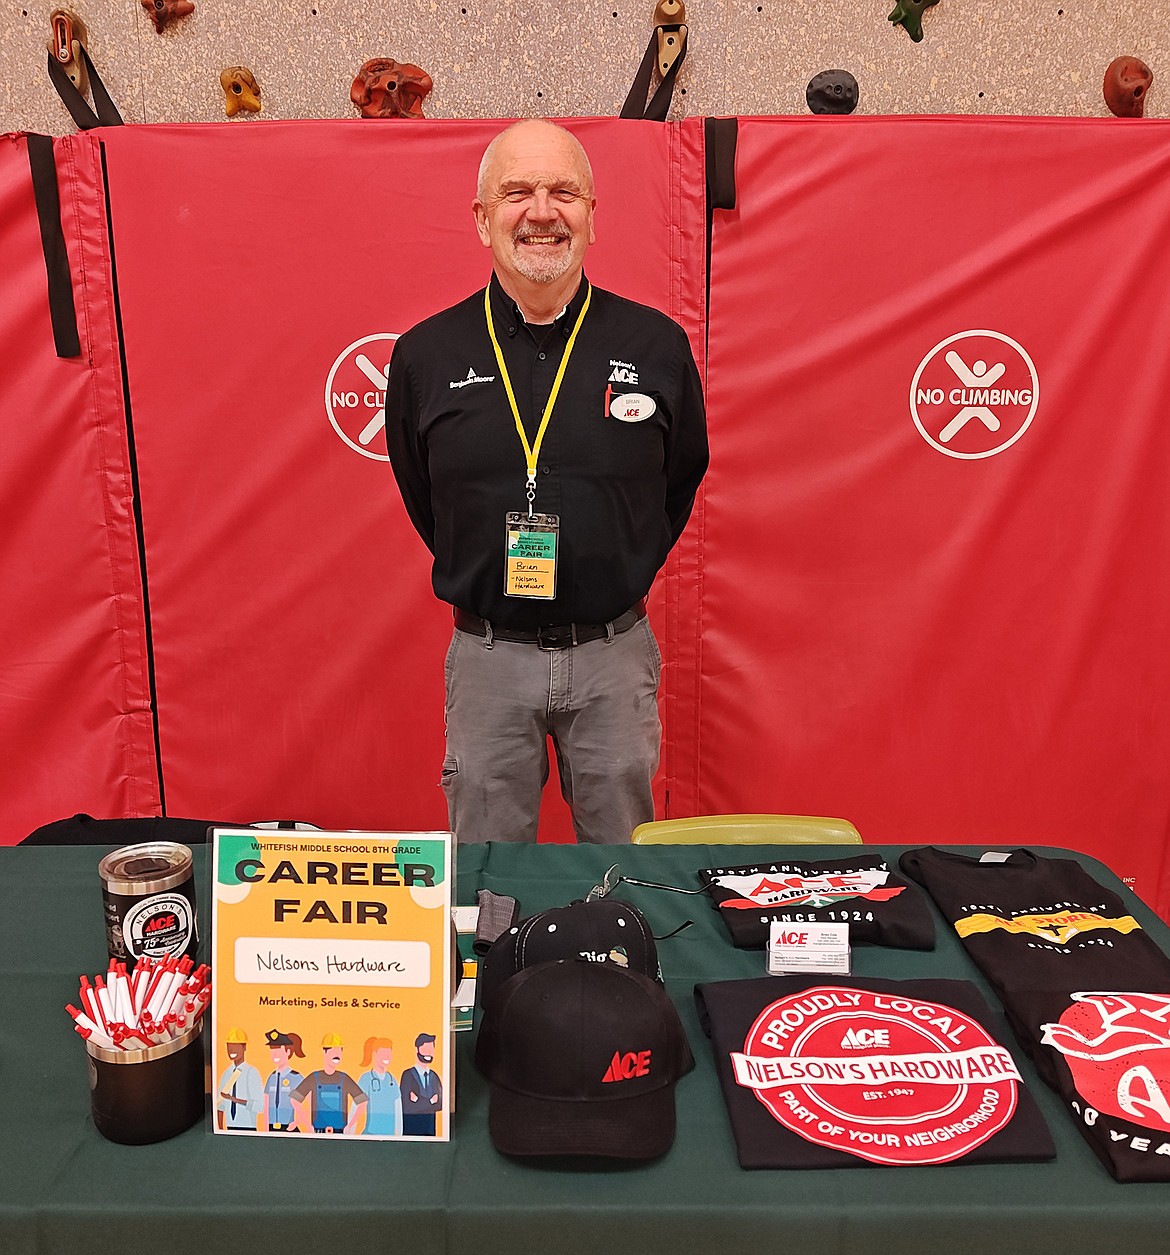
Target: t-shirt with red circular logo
{"x": 851, "y": 1071}
{"x": 1085, "y": 987}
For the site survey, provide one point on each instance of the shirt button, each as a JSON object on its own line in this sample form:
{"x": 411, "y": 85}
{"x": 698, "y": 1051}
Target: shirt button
{"x": 542, "y": 356}
{"x": 511, "y": 331}
{"x": 544, "y": 470}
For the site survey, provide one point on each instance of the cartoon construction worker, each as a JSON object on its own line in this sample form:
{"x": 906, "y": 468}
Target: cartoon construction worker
{"x": 384, "y": 1110}
{"x": 284, "y": 1078}
{"x": 422, "y": 1090}
{"x": 321, "y": 1101}
{"x": 240, "y": 1093}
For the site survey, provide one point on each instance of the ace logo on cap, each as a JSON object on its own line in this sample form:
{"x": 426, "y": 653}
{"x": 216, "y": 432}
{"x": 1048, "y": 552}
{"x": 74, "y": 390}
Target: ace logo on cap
{"x": 554, "y": 1045}
{"x": 624, "y": 1067}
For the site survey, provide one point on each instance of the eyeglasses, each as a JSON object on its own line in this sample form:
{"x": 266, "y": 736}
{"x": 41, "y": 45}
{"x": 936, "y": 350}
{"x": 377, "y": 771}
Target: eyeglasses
{"x": 614, "y": 877}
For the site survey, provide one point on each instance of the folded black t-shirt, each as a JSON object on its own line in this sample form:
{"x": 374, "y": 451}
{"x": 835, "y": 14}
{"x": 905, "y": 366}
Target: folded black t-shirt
{"x": 859, "y": 890}
{"x": 853, "y": 1071}
{"x": 1085, "y": 987}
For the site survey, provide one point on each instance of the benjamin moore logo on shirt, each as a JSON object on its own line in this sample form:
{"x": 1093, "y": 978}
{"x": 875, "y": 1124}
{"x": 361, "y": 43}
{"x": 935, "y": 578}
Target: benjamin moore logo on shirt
{"x": 472, "y": 377}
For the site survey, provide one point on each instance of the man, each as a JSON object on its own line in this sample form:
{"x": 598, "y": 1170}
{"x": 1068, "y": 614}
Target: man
{"x": 548, "y": 439}
{"x": 329, "y": 1100}
{"x": 240, "y": 1101}
{"x": 422, "y": 1091}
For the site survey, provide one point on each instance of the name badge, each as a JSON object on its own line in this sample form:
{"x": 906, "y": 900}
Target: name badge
{"x": 632, "y": 407}
{"x": 530, "y": 555}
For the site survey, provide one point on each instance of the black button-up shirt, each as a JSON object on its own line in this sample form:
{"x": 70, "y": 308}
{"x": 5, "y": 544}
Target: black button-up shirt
{"x": 623, "y": 490}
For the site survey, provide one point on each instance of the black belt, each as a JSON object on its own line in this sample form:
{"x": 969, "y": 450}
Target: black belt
{"x": 551, "y": 637}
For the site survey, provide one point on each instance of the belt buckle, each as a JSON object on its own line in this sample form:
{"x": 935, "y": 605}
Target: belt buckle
{"x": 551, "y": 639}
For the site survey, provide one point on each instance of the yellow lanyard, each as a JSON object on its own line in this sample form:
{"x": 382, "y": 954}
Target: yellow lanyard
{"x": 532, "y": 451}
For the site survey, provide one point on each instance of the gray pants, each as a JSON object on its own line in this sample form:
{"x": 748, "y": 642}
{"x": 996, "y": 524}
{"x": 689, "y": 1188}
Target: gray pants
{"x": 598, "y": 702}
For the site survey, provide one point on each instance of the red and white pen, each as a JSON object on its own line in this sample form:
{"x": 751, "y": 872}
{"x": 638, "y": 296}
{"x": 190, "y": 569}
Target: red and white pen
{"x": 88, "y": 1028}
{"x": 134, "y": 1011}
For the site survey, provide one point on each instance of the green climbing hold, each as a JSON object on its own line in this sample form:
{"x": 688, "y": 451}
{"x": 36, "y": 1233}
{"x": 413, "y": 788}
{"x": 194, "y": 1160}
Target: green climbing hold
{"x": 908, "y": 14}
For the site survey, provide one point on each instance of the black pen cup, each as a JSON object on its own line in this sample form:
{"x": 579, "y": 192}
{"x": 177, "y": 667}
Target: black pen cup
{"x": 140, "y": 1096}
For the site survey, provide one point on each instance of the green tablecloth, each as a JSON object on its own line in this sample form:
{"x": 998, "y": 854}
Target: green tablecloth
{"x": 64, "y": 1189}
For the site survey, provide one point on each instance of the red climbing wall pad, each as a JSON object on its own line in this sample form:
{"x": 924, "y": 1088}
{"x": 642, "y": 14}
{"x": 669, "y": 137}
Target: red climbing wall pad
{"x": 924, "y": 585}
{"x": 75, "y": 722}
{"x": 943, "y": 648}
{"x": 262, "y": 271}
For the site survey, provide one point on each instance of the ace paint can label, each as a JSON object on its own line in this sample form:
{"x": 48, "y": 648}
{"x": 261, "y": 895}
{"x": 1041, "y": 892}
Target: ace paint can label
{"x": 149, "y": 893}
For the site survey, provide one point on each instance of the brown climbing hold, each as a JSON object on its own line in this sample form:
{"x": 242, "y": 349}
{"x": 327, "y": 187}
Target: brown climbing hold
{"x": 163, "y": 12}
{"x": 1127, "y": 80}
{"x": 240, "y": 90}
{"x": 385, "y": 88}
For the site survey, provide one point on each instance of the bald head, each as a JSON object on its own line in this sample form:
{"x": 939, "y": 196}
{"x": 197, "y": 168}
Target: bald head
{"x": 534, "y": 210}
{"x": 531, "y": 131}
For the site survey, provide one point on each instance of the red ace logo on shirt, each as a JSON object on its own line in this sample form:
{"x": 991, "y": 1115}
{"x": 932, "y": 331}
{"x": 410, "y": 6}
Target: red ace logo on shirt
{"x": 1117, "y": 1047}
{"x": 888, "y": 1079}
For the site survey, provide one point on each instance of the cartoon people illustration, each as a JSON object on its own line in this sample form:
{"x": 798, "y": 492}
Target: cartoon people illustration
{"x": 240, "y": 1093}
{"x": 279, "y": 1115}
{"x": 422, "y": 1090}
{"x": 321, "y": 1101}
{"x": 384, "y": 1109}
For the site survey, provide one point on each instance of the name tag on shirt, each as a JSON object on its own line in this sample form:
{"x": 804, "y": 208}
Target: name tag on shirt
{"x": 530, "y": 555}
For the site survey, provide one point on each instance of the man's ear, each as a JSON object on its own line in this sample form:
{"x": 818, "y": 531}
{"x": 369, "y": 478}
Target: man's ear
{"x": 481, "y": 224}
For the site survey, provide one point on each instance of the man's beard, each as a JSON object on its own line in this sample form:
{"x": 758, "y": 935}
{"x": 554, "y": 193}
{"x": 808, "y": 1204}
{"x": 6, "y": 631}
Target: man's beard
{"x": 543, "y": 268}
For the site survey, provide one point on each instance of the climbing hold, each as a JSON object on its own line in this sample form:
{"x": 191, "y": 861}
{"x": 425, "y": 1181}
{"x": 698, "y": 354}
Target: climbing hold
{"x": 163, "y": 12}
{"x": 670, "y": 18}
{"x": 1127, "y": 80}
{"x": 240, "y": 90}
{"x": 385, "y": 88}
{"x": 66, "y": 44}
{"x": 908, "y": 15}
{"x": 832, "y": 91}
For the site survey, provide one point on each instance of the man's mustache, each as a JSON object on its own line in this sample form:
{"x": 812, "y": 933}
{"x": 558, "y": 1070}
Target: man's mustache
{"x": 559, "y": 229}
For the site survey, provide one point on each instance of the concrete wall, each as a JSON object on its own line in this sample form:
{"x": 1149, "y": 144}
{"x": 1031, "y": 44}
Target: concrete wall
{"x": 501, "y": 58}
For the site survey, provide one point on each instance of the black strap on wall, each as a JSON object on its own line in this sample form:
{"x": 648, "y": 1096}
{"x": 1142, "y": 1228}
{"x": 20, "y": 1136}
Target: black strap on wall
{"x": 720, "y": 136}
{"x": 79, "y": 108}
{"x": 62, "y": 309}
{"x": 655, "y": 111}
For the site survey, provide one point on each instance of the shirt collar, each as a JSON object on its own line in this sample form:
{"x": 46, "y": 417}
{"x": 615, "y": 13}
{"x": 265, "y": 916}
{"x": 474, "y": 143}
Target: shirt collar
{"x": 508, "y": 311}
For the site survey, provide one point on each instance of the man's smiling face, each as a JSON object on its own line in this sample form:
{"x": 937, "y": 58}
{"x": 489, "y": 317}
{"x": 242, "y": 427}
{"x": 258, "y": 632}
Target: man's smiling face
{"x": 535, "y": 205}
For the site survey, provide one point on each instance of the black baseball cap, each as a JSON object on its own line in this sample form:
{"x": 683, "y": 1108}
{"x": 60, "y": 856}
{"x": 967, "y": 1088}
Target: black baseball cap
{"x": 606, "y": 932}
{"x": 583, "y": 1059}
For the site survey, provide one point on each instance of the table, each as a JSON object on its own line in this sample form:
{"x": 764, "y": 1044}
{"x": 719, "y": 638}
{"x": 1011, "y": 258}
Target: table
{"x": 63, "y": 1189}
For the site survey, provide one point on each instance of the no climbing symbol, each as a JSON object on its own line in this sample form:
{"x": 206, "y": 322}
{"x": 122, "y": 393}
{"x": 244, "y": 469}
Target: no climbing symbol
{"x": 974, "y": 394}
{"x": 355, "y": 394}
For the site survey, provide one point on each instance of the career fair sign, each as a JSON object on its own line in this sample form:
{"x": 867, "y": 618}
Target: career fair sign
{"x": 332, "y": 994}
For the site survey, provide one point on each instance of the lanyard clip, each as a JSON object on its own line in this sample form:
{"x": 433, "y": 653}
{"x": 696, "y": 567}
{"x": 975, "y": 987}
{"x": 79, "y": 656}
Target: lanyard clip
{"x": 530, "y": 493}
